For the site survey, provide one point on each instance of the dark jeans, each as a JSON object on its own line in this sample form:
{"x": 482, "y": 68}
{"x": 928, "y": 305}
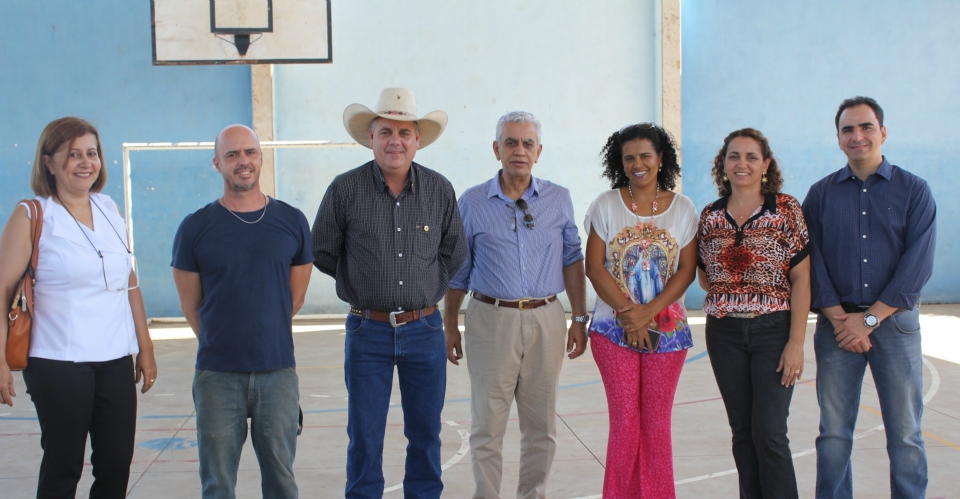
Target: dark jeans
{"x": 76, "y": 398}
{"x": 418, "y": 351}
{"x": 744, "y": 354}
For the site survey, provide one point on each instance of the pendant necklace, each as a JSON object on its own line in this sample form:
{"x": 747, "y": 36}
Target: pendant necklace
{"x": 238, "y": 216}
{"x": 633, "y": 204}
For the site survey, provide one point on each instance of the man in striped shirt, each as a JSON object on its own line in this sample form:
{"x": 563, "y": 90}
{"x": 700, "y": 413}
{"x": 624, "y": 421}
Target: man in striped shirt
{"x": 523, "y": 250}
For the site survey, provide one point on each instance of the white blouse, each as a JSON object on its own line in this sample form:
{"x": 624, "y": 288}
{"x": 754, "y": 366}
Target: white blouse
{"x": 76, "y": 318}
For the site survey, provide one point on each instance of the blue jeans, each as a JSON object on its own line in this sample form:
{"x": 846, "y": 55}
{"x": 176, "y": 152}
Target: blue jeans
{"x": 224, "y": 401}
{"x": 896, "y": 363}
{"x": 744, "y": 354}
{"x": 419, "y": 352}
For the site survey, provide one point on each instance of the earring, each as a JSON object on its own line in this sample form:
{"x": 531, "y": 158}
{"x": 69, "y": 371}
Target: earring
{"x": 763, "y": 178}
{"x": 725, "y": 179}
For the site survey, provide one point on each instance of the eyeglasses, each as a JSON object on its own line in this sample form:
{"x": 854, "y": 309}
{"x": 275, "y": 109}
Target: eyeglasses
{"x": 130, "y": 263}
{"x": 527, "y": 217}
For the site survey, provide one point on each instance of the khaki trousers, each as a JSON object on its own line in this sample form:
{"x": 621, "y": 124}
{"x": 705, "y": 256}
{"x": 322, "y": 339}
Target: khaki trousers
{"x": 511, "y": 354}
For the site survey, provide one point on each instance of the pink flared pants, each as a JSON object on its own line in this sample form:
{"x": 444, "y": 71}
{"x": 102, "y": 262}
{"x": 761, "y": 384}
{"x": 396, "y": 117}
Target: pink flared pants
{"x": 640, "y": 389}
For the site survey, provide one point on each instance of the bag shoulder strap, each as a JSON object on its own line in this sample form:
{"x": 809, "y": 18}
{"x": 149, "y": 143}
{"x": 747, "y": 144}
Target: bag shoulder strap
{"x": 36, "y": 227}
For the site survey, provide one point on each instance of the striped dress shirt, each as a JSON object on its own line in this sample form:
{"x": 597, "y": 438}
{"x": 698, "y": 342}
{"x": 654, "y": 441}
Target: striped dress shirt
{"x": 386, "y": 252}
{"x": 507, "y": 260}
{"x": 870, "y": 240}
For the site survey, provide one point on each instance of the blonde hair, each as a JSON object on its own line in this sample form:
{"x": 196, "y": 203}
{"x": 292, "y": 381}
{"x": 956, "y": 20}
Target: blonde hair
{"x": 57, "y": 133}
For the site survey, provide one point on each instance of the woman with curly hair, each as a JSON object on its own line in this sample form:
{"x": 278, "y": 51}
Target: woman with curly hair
{"x": 754, "y": 265}
{"x": 641, "y": 257}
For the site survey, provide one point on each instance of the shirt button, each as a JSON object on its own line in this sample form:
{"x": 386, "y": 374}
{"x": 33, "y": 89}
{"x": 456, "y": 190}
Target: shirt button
{"x": 521, "y": 245}
{"x": 401, "y": 283}
{"x": 398, "y": 229}
{"x": 399, "y": 308}
{"x": 400, "y": 255}
{"x": 864, "y": 190}
{"x": 864, "y": 260}
{"x": 864, "y": 213}
{"x": 398, "y": 203}
{"x": 866, "y": 285}
{"x": 864, "y": 236}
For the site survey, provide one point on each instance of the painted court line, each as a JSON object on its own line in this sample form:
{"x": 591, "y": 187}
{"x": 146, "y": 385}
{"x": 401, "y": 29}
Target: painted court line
{"x": 464, "y": 449}
{"x": 934, "y": 387}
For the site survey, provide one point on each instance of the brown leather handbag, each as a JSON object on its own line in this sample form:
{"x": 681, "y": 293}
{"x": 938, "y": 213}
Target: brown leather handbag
{"x": 20, "y": 319}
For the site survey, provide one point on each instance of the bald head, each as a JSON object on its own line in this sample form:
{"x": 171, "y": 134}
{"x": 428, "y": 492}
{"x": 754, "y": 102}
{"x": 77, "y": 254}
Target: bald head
{"x": 237, "y": 157}
{"x": 234, "y": 134}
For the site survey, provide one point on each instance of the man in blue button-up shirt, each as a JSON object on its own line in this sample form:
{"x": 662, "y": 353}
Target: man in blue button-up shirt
{"x": 523, "y": 250}
{"x": 872, "y": 232}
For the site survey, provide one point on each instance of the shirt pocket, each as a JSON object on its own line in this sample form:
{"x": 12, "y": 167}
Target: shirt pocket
{"x": 425, "y": 238}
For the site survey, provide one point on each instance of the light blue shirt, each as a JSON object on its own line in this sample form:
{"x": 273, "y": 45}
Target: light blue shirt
{"x": 507, "y": 260}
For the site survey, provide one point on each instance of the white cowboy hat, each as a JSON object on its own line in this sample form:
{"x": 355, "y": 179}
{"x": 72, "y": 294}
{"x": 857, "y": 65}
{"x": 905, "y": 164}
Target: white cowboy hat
{"x": 394, "y": 104}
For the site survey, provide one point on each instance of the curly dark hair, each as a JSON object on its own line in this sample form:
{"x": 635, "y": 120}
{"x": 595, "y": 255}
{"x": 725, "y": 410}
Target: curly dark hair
{"x": 774, "y": 179}
{"x": 662, "y": 141}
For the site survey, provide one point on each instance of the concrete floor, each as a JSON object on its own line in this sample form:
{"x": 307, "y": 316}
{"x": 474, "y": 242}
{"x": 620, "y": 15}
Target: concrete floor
{"x": 165, "y": 463}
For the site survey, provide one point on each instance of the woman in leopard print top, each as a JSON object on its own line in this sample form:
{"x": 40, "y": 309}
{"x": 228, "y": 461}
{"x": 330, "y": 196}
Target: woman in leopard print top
{"x": 754, "y": 263}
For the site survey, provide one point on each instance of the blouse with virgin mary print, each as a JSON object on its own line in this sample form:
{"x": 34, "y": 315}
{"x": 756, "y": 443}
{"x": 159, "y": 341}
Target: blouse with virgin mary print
{"x": 643, "y": 253}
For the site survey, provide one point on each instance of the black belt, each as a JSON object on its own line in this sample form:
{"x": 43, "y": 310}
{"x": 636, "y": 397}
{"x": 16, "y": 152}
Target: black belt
{"x": 519, "y": 304}
{"x": 853, "y": 308}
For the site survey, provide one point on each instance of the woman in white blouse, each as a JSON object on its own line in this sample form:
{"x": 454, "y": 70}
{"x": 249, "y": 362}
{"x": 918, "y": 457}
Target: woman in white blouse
{"x": 641, "y": 257}
{"x": 88, "y": 320}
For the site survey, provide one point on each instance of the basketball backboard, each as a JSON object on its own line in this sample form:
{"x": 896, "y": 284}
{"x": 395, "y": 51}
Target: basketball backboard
{"x": 240, "y": 32}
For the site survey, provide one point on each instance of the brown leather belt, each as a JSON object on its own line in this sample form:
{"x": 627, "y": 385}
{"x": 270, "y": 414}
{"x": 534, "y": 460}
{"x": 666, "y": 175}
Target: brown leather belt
{"x": 394, "y": 318}
{"x": 520, "y": 304}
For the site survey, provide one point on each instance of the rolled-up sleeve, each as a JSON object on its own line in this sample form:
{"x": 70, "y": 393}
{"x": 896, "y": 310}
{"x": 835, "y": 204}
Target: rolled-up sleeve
{"x": 916, "y": 264}
{"x": 572, "y": 251}
{"x": 823, "y": 292}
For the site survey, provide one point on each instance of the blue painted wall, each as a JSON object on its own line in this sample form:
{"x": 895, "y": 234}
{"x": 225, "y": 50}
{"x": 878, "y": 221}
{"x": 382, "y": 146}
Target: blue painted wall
{"x": 784, "y": 68}
{"x": 94, "y": 60}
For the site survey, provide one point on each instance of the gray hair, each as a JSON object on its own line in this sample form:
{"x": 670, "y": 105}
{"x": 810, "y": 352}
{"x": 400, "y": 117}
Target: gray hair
{"x": 518, "y": 117}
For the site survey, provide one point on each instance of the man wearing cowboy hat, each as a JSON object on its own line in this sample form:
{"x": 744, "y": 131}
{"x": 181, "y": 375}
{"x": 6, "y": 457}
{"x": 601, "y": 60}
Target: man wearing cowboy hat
{"x": 390, "y": 233}
{"x": 523, "y": 249}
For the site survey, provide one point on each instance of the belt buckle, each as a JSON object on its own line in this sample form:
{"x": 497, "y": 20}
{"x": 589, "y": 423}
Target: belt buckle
{"x": 393, "y": 318}
{"x": 521, "y": 302}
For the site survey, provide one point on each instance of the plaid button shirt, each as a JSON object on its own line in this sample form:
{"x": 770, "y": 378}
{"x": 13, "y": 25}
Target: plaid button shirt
{"x": 389, "y": 252}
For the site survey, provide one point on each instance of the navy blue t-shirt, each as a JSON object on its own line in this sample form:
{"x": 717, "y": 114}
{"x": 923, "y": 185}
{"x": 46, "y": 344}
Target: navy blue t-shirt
{"x": 246, "y": 318}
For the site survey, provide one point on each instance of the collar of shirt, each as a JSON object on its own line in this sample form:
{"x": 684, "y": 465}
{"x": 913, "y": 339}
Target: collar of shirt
{"x": 382, "y": 184}
{"x": 885, "y": 171}
{"x": 496, "y": 190}
{"x": 769, "y": 203}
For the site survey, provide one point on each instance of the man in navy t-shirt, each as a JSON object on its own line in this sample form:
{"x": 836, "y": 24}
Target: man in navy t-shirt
{"x": 241, "y": 265}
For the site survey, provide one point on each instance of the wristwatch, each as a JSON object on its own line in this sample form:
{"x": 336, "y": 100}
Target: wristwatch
{"x": 870, "y": 320}
{"x": 585, "y": 318}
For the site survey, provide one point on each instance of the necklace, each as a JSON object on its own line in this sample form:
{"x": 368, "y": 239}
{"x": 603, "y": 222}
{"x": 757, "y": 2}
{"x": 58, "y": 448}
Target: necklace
{"x": 238, "y": 216}
{"x": 91, "y": 218}
{"x": 754, "y": 212}
{"x": 633, "y": 203}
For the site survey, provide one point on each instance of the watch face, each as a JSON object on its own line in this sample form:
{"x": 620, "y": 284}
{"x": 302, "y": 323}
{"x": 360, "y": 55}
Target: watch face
{"x": 870, "y": 320}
